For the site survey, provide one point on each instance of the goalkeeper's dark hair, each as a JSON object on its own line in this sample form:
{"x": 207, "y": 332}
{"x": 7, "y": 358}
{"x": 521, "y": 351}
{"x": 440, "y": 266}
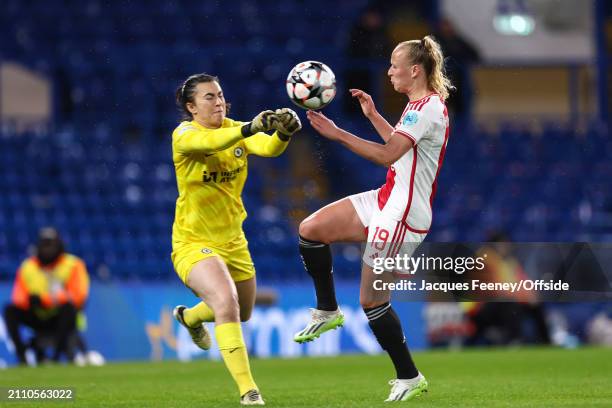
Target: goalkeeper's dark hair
{"x": 185, "y": 93}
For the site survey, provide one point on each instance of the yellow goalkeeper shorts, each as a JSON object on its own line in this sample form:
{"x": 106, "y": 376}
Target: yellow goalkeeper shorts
{"x": 235, "y": 254}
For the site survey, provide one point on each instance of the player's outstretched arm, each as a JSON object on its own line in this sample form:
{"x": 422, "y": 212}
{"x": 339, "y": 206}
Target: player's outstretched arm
{"x": 286, "y": 124}
{"x": 368, "y": 108}
{"x": 189, "y": 139}
{"x": 383, "y": 154}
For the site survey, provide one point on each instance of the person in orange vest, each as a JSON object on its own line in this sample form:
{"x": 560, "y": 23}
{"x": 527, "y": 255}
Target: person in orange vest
{"x": 50, "y": 288}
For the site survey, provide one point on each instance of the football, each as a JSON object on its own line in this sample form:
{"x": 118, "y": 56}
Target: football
{"x": 311, "y": 85}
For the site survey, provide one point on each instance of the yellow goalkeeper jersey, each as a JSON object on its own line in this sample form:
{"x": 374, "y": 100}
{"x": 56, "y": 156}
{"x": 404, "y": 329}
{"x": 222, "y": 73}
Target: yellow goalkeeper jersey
{"x": 211, "y": 169}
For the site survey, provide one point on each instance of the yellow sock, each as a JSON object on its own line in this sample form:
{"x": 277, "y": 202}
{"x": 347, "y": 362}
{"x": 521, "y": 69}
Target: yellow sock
{"x": 234, "y": 353}
{"x": 198, "y": 314}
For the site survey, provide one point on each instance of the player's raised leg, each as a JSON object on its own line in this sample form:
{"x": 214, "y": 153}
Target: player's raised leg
{"x": 387, "y": 329}
{"x": 196, "y": 328}
{"x": 336, "y": 222}
{"x": 211, "y": 280}
{"x": 198, "y": 314}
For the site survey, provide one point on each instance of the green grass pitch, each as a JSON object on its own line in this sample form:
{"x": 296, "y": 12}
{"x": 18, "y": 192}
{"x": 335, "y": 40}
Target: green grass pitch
{"x": 534, "y": 377}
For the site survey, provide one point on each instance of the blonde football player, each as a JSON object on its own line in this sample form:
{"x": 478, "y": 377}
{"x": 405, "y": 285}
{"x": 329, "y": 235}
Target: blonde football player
{"x": 393, "y": 219}
{"x": 209, "y": 248}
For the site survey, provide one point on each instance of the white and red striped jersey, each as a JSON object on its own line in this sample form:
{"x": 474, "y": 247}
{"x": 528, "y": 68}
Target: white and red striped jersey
{"x": 408, "y": 192}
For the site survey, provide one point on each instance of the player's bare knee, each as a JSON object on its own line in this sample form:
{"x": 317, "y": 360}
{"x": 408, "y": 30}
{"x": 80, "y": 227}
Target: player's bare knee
{"x": 227, "y": 313}
{"x": 309, "y": 229}
{"x": 369, "y": 303}
{"x": 227, "y": 308}
{"x": 305, "y": 229}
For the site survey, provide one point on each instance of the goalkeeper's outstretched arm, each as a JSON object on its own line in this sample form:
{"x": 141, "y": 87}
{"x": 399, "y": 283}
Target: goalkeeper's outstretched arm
{"x": 265, "y": 145}
{"x": 190, "y": 139}
{"x": 286, "y": 124}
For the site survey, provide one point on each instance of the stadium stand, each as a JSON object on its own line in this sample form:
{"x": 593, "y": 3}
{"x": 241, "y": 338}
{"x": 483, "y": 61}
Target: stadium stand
{"x": 103, "y": 173}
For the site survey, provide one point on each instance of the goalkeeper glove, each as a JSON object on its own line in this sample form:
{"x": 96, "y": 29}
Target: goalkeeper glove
{"x": 288, "y": 122}
{"x": 263, "y": 122}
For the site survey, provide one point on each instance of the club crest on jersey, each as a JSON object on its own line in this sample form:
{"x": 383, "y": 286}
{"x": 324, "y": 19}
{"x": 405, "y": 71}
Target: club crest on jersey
{"x": 238, "y": 152}
{"x": 410, "y": 118}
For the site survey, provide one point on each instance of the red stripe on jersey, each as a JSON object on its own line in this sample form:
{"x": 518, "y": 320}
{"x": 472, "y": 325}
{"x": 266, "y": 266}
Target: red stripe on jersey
{"x": 418, "y": 231}
{"x": 408, "y": 135}
{"x": 406, "y": 109}
{"x": 396, "y": 237}
{"x": 385, "y": 190}
{"x": 426, "y": 96}
{"x": 422, "y": 103}
{"x": 400, "y": 241}
{"x": 397, "y": 229}
{"x": 434, "y": 185}
{"x": 417, "y": 106}
{"x": 414, "y": 164}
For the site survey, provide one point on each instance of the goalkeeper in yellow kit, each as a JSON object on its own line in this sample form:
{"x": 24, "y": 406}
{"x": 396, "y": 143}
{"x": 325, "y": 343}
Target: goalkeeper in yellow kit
{"x": 209, "y": 248}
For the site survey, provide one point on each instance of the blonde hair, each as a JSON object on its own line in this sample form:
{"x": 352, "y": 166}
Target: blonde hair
{"x": 428, "y": 53}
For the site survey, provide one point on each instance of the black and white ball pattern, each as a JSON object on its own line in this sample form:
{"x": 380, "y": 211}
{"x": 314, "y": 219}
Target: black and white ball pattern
{"x": 311, "y": 85}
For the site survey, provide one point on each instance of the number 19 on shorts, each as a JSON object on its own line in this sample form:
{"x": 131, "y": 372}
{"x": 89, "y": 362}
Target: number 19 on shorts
{"x": 380, "y": 238}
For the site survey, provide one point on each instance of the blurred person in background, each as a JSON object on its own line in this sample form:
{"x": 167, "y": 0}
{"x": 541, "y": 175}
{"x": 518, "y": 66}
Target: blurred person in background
{"x": 391, "y": 220}
{"x": 368, "y": 41}
{"x": 50, "y": 289}
{"x": 460, "y": 56}
{"x": 502, "y": 322}
{"x": 209, "y": 249}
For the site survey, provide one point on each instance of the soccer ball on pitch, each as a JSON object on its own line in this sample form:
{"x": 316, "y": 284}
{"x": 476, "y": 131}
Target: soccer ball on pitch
{"x": 311, "y": 85}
